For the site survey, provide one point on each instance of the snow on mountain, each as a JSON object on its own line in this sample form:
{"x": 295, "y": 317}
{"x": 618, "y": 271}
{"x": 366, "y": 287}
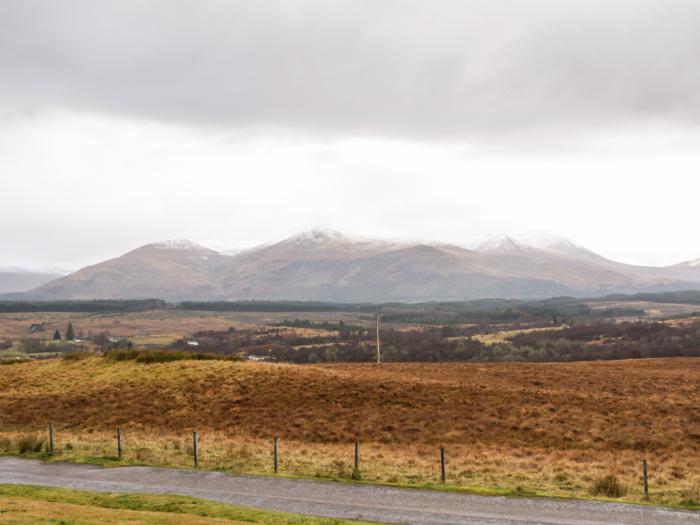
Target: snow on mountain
{"x": 543, "y": 242}
{"x": 691, "y": 264}
{"x": 500, "y": 244}
{"x": 327, "y": 265}
{"x": 179, "y": 244}
{"x": 316, "y": 236}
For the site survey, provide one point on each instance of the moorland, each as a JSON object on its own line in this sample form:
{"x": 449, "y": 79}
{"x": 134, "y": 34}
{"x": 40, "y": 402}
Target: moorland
{"x": 552, "y": 397}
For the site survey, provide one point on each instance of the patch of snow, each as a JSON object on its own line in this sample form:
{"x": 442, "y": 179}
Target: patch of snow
{"x": 316, "y": 236}
{"x": 543, "y": 242}
{"x": 498, "y": 243}
{"x": 179, "y": 244}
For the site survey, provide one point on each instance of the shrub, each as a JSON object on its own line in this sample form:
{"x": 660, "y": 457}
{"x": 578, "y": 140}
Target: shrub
{"x": 29, "y": 443}
{"x": 144, "y": 454}
{"x": 76, "y": 356}
{"x": 691, "y": 496}
{"x": 608, "y": 486}
{"x": 14, "y": 360}
{"x": 122, "y": 355}
{"x": 339, "y": 469}
{"x": 163, "y": 356}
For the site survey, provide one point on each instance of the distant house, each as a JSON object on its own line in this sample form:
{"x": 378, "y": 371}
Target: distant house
{"x": 192, "y": 343}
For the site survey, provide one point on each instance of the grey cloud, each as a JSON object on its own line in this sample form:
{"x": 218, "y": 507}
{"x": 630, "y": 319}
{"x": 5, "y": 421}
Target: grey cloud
{"x": 359, "y": 67}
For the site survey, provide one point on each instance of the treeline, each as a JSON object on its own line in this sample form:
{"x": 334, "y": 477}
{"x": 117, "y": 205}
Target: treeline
{"x": 397, "y": 346}
{"x": 340, "y": 326}
{"x": 607, "y": 341}
{"x": 436, "y": 312}
{"x": 275, "y": 306}
{"x": 586, "y": 342}
{"x": 96, "y": 306}
{"x": 541, "y": 312}
{"x": 680, "y": 297}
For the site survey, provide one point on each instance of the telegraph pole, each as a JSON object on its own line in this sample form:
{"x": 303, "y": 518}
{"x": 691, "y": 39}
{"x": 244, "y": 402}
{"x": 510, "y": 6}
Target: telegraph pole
{"x": 379, "y": 352}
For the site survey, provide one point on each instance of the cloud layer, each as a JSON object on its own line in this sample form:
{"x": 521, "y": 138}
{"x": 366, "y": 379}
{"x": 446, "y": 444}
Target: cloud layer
{"x": 364, "y": 67}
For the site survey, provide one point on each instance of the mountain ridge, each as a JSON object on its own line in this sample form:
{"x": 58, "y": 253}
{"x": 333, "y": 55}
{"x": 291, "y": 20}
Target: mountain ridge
{"x": 327, "y": 265}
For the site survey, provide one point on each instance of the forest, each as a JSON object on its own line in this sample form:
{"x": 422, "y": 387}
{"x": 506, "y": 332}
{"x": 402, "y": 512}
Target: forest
{"x": 593, "y": 341}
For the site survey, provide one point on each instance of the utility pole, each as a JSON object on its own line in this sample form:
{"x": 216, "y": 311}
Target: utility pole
{"x": 379, "y": 352}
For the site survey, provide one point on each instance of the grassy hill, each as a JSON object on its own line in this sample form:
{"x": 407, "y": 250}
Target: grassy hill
{"x": 552, "y": 428}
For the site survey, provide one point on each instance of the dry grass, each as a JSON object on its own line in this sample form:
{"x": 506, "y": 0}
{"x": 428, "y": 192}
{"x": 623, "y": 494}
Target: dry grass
{"x": 20, "y": 504}
{"x": 155, "y": 326}
{"x": 505, "y": 335}
{"x": 547, "y": 428}
{"x": 25, "y": 511}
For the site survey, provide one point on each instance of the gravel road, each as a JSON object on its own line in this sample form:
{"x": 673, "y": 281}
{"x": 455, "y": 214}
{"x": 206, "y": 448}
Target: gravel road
{"x": 339, "y": 500}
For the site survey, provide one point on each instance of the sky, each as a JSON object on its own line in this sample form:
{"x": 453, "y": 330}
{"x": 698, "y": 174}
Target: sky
{"x": 233, "y": 123}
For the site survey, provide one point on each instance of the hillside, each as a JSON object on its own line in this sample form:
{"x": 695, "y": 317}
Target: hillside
{"x": 549, "y": 429}
{"x": 14, "y": 280}
{"x": 427, "y": 403}
{"x": 169, "y": 270}
{"x": 328, "y": 266}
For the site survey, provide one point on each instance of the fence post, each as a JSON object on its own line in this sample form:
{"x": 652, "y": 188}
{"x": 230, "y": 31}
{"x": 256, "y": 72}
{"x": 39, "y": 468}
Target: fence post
{"x": 276, "y": 455}
{"x": 194, "y": 449}
{"x": 119, "y": 443}
{"x": 646, "y": 479}
{"x": 442, "y": 463}
{"x": 51, "y": 437}
{"x": 356, "y": 472}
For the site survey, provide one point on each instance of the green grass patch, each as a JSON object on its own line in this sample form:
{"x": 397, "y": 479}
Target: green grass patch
{"x": 167, "y": 503}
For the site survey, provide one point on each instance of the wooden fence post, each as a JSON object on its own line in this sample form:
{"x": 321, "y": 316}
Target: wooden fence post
{"x": 275, "y": 459}
{"x": 646, "y": 479}
{"x": 119, "y": 443}
{"x": 51, "y": 437}
{"x": 356, "y": 472}
{"x": 442, "y": 463}
{"x": 194, "y": 449}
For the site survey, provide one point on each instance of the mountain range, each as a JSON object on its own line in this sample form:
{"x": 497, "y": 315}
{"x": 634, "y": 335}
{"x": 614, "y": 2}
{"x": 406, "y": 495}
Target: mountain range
{"x": 329, "y": 266}
{"x": 19, "y": 279}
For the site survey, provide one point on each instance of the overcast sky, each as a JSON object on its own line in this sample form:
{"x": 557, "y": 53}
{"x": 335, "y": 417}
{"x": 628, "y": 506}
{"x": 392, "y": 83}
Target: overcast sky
{"x": 232, "y": 123}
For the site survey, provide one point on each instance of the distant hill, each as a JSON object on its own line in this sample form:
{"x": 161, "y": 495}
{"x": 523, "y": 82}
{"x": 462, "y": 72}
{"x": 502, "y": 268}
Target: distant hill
{"x": 13, "y": 280}
{"x": 170, "y": 270}
{"x": 329, "y": 266}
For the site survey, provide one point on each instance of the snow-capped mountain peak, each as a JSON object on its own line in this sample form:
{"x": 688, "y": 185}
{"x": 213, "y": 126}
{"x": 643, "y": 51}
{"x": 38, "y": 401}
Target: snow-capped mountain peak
{"x": 315, "y": 236}
{"x": 542, "y": 242}
{"x": 179, "y": 244}
{"x": 499, "y": 243}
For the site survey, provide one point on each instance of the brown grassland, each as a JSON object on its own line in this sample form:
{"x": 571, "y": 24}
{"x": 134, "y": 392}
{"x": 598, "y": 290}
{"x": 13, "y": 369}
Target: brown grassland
{"x": 511, "y": 428}
{"x": 155, "y": 327}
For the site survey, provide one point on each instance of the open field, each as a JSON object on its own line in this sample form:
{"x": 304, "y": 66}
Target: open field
{"x": 154, "y": 327}
{"x": 22, "y": 504}
{"x": 505, "y": 335}
{"x": 651, "y": 310}
{"x": 510, "y": 428}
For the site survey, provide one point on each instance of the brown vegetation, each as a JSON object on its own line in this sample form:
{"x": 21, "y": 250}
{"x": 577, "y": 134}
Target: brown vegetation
{"x": 552, "y": 427}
